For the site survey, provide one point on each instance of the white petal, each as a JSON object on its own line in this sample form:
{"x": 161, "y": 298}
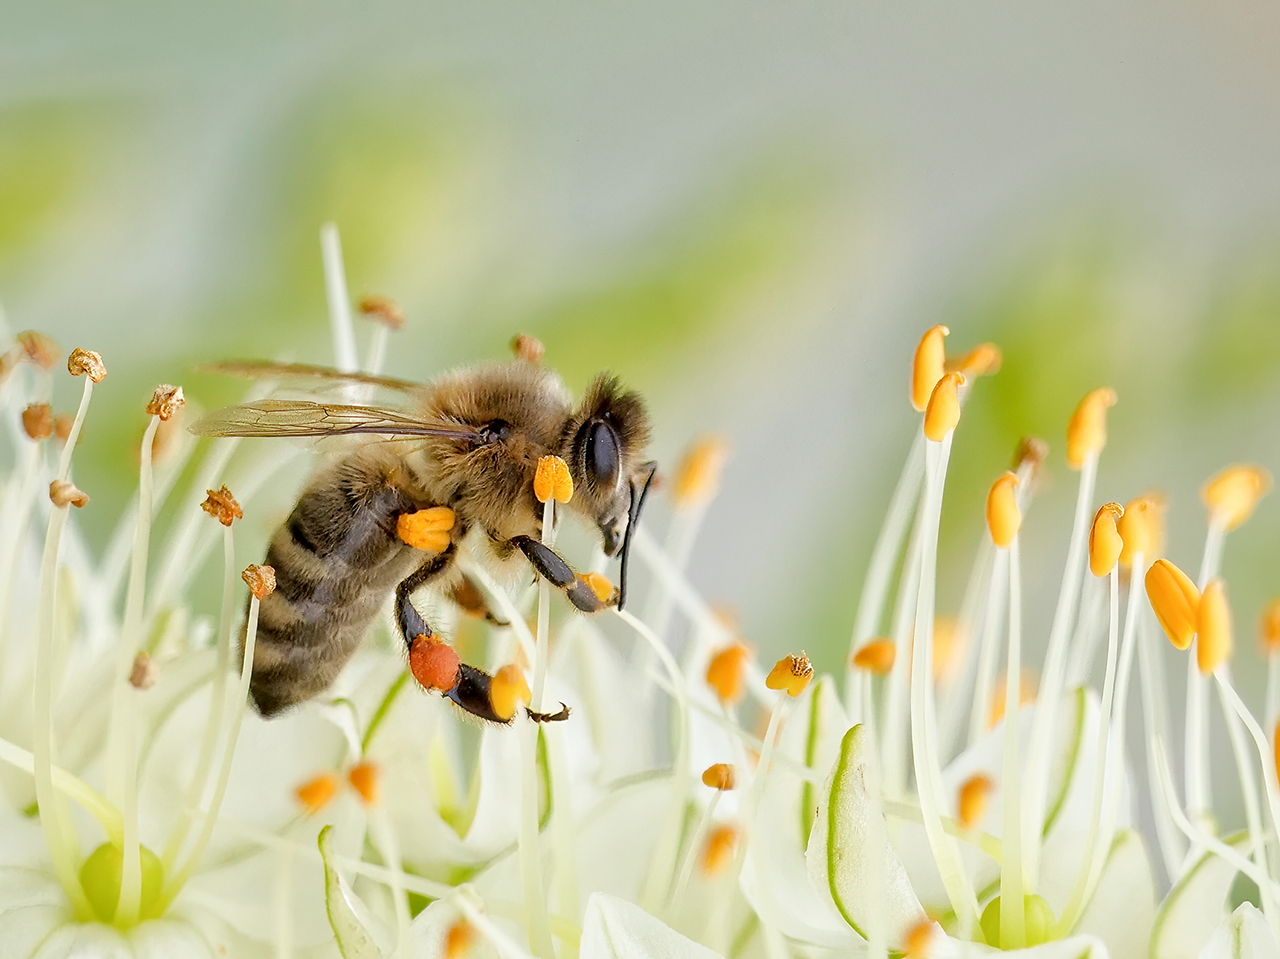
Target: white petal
{"x": 1192, "y": 910}
{"x": 1123, "y": 906}
{"x": 1245, "y": 935}
{"x": 849, "y": 853}
{"x": 78, "y": 940}
{"x": 347, "y": 916}
{"x": 616, "y": 929}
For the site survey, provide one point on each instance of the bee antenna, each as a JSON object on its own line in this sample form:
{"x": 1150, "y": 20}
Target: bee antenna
{"x": 633, "y": 517}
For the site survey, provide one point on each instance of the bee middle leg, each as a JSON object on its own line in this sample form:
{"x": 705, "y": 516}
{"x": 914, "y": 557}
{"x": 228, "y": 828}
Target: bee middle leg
{"x": 551, "y": 566}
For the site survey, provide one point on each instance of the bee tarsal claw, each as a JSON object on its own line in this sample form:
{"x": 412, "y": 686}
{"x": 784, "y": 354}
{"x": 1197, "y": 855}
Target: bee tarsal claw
{"x": 557, "y": 717}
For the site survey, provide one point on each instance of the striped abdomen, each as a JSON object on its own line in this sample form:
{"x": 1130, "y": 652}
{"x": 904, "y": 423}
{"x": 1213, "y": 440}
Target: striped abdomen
{"x": 336, "y": 558}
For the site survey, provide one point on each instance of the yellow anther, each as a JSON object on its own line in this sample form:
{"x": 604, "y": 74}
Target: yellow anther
{"x": 791, "y": 673}
{"x": 876, "y": 656}
{"x": 316, "y": 793}
{"x": 599, "y": 584}
{"x": 1232, "y": 494}
{"x": 365, "y": 780}
{"x": 1175, "y": 600}
{"x": 507, "y": 691}
{"x": 552, "y": 480}
{"x": 428, "y": 529}
{"x": 975, "y": 792}
{"x": 1269, "y": 628}
{"x": 1105, "y": 543}
{"x": 1003, "y": 518}
{"x": 719, "y": 776}
{"x": 920, "y": 940}
{"x": 698, "y": 475}
{"x": 1213, "y": 627}
{"x": 459, "y": 940}
{"x": 983, "y": 360}
{"x": 1142, "y": 528}
{"x": 1087, "y": 428}
{"x": 949, "y": 642}
{"x": 718, "y": 853}
{"x": 928, "y": 366}
{"x": 943, "y": 412}
{"x": 727, "y": 672}
{"x": 1026, "y": 696}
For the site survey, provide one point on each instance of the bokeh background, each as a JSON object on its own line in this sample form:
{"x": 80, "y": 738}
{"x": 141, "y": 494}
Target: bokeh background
{"x": 749, "y": 211}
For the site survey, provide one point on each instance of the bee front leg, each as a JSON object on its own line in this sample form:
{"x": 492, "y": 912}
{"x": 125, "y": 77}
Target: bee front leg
{"x": 581, "y": 590}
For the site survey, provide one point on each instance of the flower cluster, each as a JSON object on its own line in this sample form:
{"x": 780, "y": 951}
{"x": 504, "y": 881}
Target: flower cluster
{"x": 926, "y": 803}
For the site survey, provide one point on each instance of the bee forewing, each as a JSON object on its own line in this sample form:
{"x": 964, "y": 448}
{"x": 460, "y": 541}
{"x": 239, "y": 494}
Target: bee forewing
{"x": 265, "y": 369}
{"x": 306, "y": 418}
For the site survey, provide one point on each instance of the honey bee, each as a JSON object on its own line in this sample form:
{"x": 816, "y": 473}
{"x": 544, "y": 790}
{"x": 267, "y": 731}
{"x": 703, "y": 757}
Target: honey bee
{"x": 470, "y": 441}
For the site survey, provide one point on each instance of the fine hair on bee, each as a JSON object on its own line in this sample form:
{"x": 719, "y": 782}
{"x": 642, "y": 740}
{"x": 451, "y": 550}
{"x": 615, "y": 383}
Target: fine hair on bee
{"x": 450, "y": 467}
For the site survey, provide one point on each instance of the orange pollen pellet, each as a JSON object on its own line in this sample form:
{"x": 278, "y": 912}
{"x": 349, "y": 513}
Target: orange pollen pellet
{"x": 920, "y": 939}
{"x": 430, "y": 529}
{"x": 1105, "y": 542}
{"x": 698, "y": 475}
{"x": 365, "y": 780}
{"x": 876, "y": 656}
{"x": 1213, "y": 627}
{"x": 507, "y": 690}
{"x": 261, "y": 581}
{"x": 165, "y": 401}
{"x": 316, "y": 793}
{"x": 599, "y": 584}
{"x": 222, "y": 506}
{"x": 1233, "y": 494}
{"x": 1176, "y": 601}
{"x": 719, "y": 776}
{"x": 791, "y": 673}
{"x": 927, "y": 366}
{"x": 974, "y": 794}
{"x": 433, "y": 663}
{"x": 727, "y": 672}
{"x": 943, "y": 412}
{"x": 552, "y": 480}
{"x": 1087, "y": 428}
{"x": 722, "y": 843}
{"x": 1269, "y": 628}
{"x": 1003, "y": 517}
{"x": 459, "y": 939}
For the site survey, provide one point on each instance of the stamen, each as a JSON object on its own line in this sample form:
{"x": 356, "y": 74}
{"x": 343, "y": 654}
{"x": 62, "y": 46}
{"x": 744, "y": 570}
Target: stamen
{"x": 1105, "y": 542}
{"x": 86, "y": 363}
{"x": 1232, "y": 494}
{"x": 459, "y": 940}
{"x": 315, "y": 793}
{"x": 222, "y": 506}
{"x": 382, "y": 309}
{"x": 261, "y": 580}
{"x": 144, "y": 673}
{"x": 727, "y": 673}
{"x": 719, "y": 851}
{"x": 1087, "y": 428}
{"x": 1213, "y": 627}
{"x": 365, "y": 780}
{"x": 434, "y": 664}
{"x": 920, "y": 940}
{"x": 64, "y": 493}
{"x": 335, "y": 292}
{"x": 720, "y": 776}
{"x": 943, "y": 412}
{"x": 698, "y": 475}
{"x": 1175, "y": 600}
{"x": 927, "y": 366}
{"x": 1269, "y": 628}
{"x": 1003, "y": 518}
{"x": 1030, "y": 455}
{"x": 37, "y": 421}
{"x": 429, "y": 530}
{"x": 1141, "y": 527}
{"x": 42, "y": 350}
{"x": 166, "y": 401}
{"x": 876, "y": 656}
{"x": 791, "y": 673}
{"x": 552, "y": 480}
{"x": 974, "y": 796}
{"x": 507, "y": 690}
{"x": 983, "y": 360}
{"x": 527, "y": 348}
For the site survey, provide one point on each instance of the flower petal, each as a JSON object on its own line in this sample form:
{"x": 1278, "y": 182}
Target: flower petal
{"x": 1245, "y": 935}
{"x": 349, "y": 928}
{"x": 1123, "y": 906}
{"x": 616, "y": 929}
{"x": 1192, "y": 910}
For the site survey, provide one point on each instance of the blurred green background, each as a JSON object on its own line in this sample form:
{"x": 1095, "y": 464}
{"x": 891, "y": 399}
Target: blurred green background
{"x": 749, "y": 211}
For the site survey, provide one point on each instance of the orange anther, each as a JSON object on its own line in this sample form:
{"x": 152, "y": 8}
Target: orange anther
{"x": 927, "y": 366}
{"x": 791, "y": 673}
{"x": 1176, "y": 601}
{"x": 1087, "y": 428}
{"x": 316, "y": 793}
{"x": 719, "y": 776}
{"x": 698, "y": 475}
{"x": 1105, "y": 544}
{"x": 876, "y": 656}
{"x": 1213, "y": 627}
{"x": 718, "y": 853}
{"x": 1233, "y": 494}
{"x": 727, "y": 671}
{"x": 1003, "y": 517}
{"x": 365, "y": 780}
{"x": 1141, "y": 527}
{"x": 974, "y": 794}
{"x": 552, "y": 480}
{"x": 943, "y": 412}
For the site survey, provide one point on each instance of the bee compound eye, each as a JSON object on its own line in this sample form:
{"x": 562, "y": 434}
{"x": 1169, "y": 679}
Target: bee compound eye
{"x": 602, "y": 456}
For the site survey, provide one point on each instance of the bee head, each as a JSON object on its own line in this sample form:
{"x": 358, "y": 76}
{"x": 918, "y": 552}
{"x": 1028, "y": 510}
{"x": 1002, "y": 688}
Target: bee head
{"x": 604, "y": 443}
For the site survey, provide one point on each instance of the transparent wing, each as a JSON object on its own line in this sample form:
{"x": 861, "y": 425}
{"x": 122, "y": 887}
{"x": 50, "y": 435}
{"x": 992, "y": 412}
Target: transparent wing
{"x": 306, "y": 418}
{"x": 265, "y": 369}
